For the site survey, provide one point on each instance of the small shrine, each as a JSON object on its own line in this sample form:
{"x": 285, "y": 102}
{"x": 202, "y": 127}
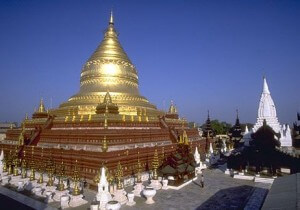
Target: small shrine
{"x": 179, "y": 167}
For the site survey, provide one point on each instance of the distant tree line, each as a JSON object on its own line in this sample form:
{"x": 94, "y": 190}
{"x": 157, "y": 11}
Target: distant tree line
{"x": 220, "y": 127}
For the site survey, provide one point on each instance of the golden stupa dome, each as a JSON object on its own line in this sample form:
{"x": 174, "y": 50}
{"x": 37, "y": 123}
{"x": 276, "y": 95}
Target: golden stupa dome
{"x": 108, "y": 69}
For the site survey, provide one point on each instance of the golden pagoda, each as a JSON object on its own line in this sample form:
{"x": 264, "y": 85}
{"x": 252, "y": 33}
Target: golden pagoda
{"x": 108, "y": 69}
{"x": 106, "y": 119}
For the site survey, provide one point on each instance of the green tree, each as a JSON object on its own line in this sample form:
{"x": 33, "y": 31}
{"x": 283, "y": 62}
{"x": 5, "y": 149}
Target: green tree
{"x": 219, "y": 127}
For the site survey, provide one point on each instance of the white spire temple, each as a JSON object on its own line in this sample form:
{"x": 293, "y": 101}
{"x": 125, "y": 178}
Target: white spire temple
{"x": 267, "y": 111}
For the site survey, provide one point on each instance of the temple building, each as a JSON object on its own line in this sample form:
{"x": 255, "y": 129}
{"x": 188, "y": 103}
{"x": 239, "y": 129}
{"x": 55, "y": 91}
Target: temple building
{"x": 235, "y": 133}
{"x": 208, "y": 130}
{"x": 4, "y": 126}
{"x": 267, "y": 112}
{"x": 107, "y": 122}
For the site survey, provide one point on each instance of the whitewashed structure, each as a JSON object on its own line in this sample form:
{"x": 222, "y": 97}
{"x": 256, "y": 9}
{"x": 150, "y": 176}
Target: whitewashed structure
{"x": 267, "y": 111}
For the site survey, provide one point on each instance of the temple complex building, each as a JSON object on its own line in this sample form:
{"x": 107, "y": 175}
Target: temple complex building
{"x": 235, "y": 133}
{"x": 108, "y": 121}
{"x": 4, "y": 126}
{"x": 267, "y": 112}
{"x": 207, "y": 130}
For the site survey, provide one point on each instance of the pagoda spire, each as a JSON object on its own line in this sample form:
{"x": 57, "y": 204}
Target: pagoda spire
{"x": 237, "y": 121}
{"x": 111, "y": 18}
{"x": 41, "y": 106}
{"x": 267, "y": 110}
{"x": 265, "y": 86}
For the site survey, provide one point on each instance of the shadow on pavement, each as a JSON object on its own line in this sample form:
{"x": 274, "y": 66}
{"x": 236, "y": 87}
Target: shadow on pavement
{"x": 229, "y": 198}
{"x": 9, "y": 203}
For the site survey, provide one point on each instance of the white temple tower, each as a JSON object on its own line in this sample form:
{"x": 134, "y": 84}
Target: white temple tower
{"x": 267, "y": 111}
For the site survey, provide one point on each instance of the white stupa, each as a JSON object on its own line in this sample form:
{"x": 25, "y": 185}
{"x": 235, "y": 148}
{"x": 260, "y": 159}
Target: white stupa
{"x": 267, "y": 111}
{"x": 197, "y": 156}
{"x": 103, "y": 195}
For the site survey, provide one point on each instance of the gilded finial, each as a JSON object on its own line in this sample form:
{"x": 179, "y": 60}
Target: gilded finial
{"x": 41, "y": 106}
{"x": 76, "y": 179}
{"x": 155, "y": 165}
{"x": 119, "y": 176}
{"x": 185, "y": 138}
{"x": 26, "y": 116}
{"x": 111, "y": 19}
{"x": 23, "y": 166}
{"x": 32, "y": 165}
{"x": 21, "y": 136}
{"x": 139, "y": 169}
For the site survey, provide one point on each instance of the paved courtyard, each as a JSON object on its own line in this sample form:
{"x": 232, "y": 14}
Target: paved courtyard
{"x": 220, "y": 192}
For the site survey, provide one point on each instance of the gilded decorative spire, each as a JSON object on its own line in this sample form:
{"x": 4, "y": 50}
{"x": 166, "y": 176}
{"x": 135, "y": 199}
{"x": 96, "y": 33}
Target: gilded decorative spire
{"x": 21, "y": 136}
{"x": 41, "y": 168}
{"x": 16, "y": 162}
{"x": 41, "y": 106}
{"x": 111, "y": 19}
{"x": 119, "y": 176}
{"x": 139, "y": 169}
{"x": 26, "y": 116}
{"x": 172, "y": 109}
{"x": 32, "y": 165}
{"x": 185, "y": 138}
{"x": 76, "y": 179}
{"x": 155, "y": 164}
{"x": 50, "y": 170}
{"x": 24, "y": 166}
{"x": 9, "y": 163}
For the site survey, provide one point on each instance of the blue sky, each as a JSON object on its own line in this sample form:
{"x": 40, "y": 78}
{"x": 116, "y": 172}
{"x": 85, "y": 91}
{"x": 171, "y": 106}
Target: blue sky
{"x": 201, "y": 54}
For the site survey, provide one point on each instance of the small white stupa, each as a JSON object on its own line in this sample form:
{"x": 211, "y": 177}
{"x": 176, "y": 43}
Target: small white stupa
{"x": 211, "y": 151}
{"x": 197, "y": 156}
{"x": 103, "y": 195}
{"x": 246, "y": 130}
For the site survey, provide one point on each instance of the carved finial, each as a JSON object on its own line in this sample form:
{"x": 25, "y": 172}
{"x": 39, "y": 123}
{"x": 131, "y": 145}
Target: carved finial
{"x": 41, "y": 106}
{"x": 111, "y": 19}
